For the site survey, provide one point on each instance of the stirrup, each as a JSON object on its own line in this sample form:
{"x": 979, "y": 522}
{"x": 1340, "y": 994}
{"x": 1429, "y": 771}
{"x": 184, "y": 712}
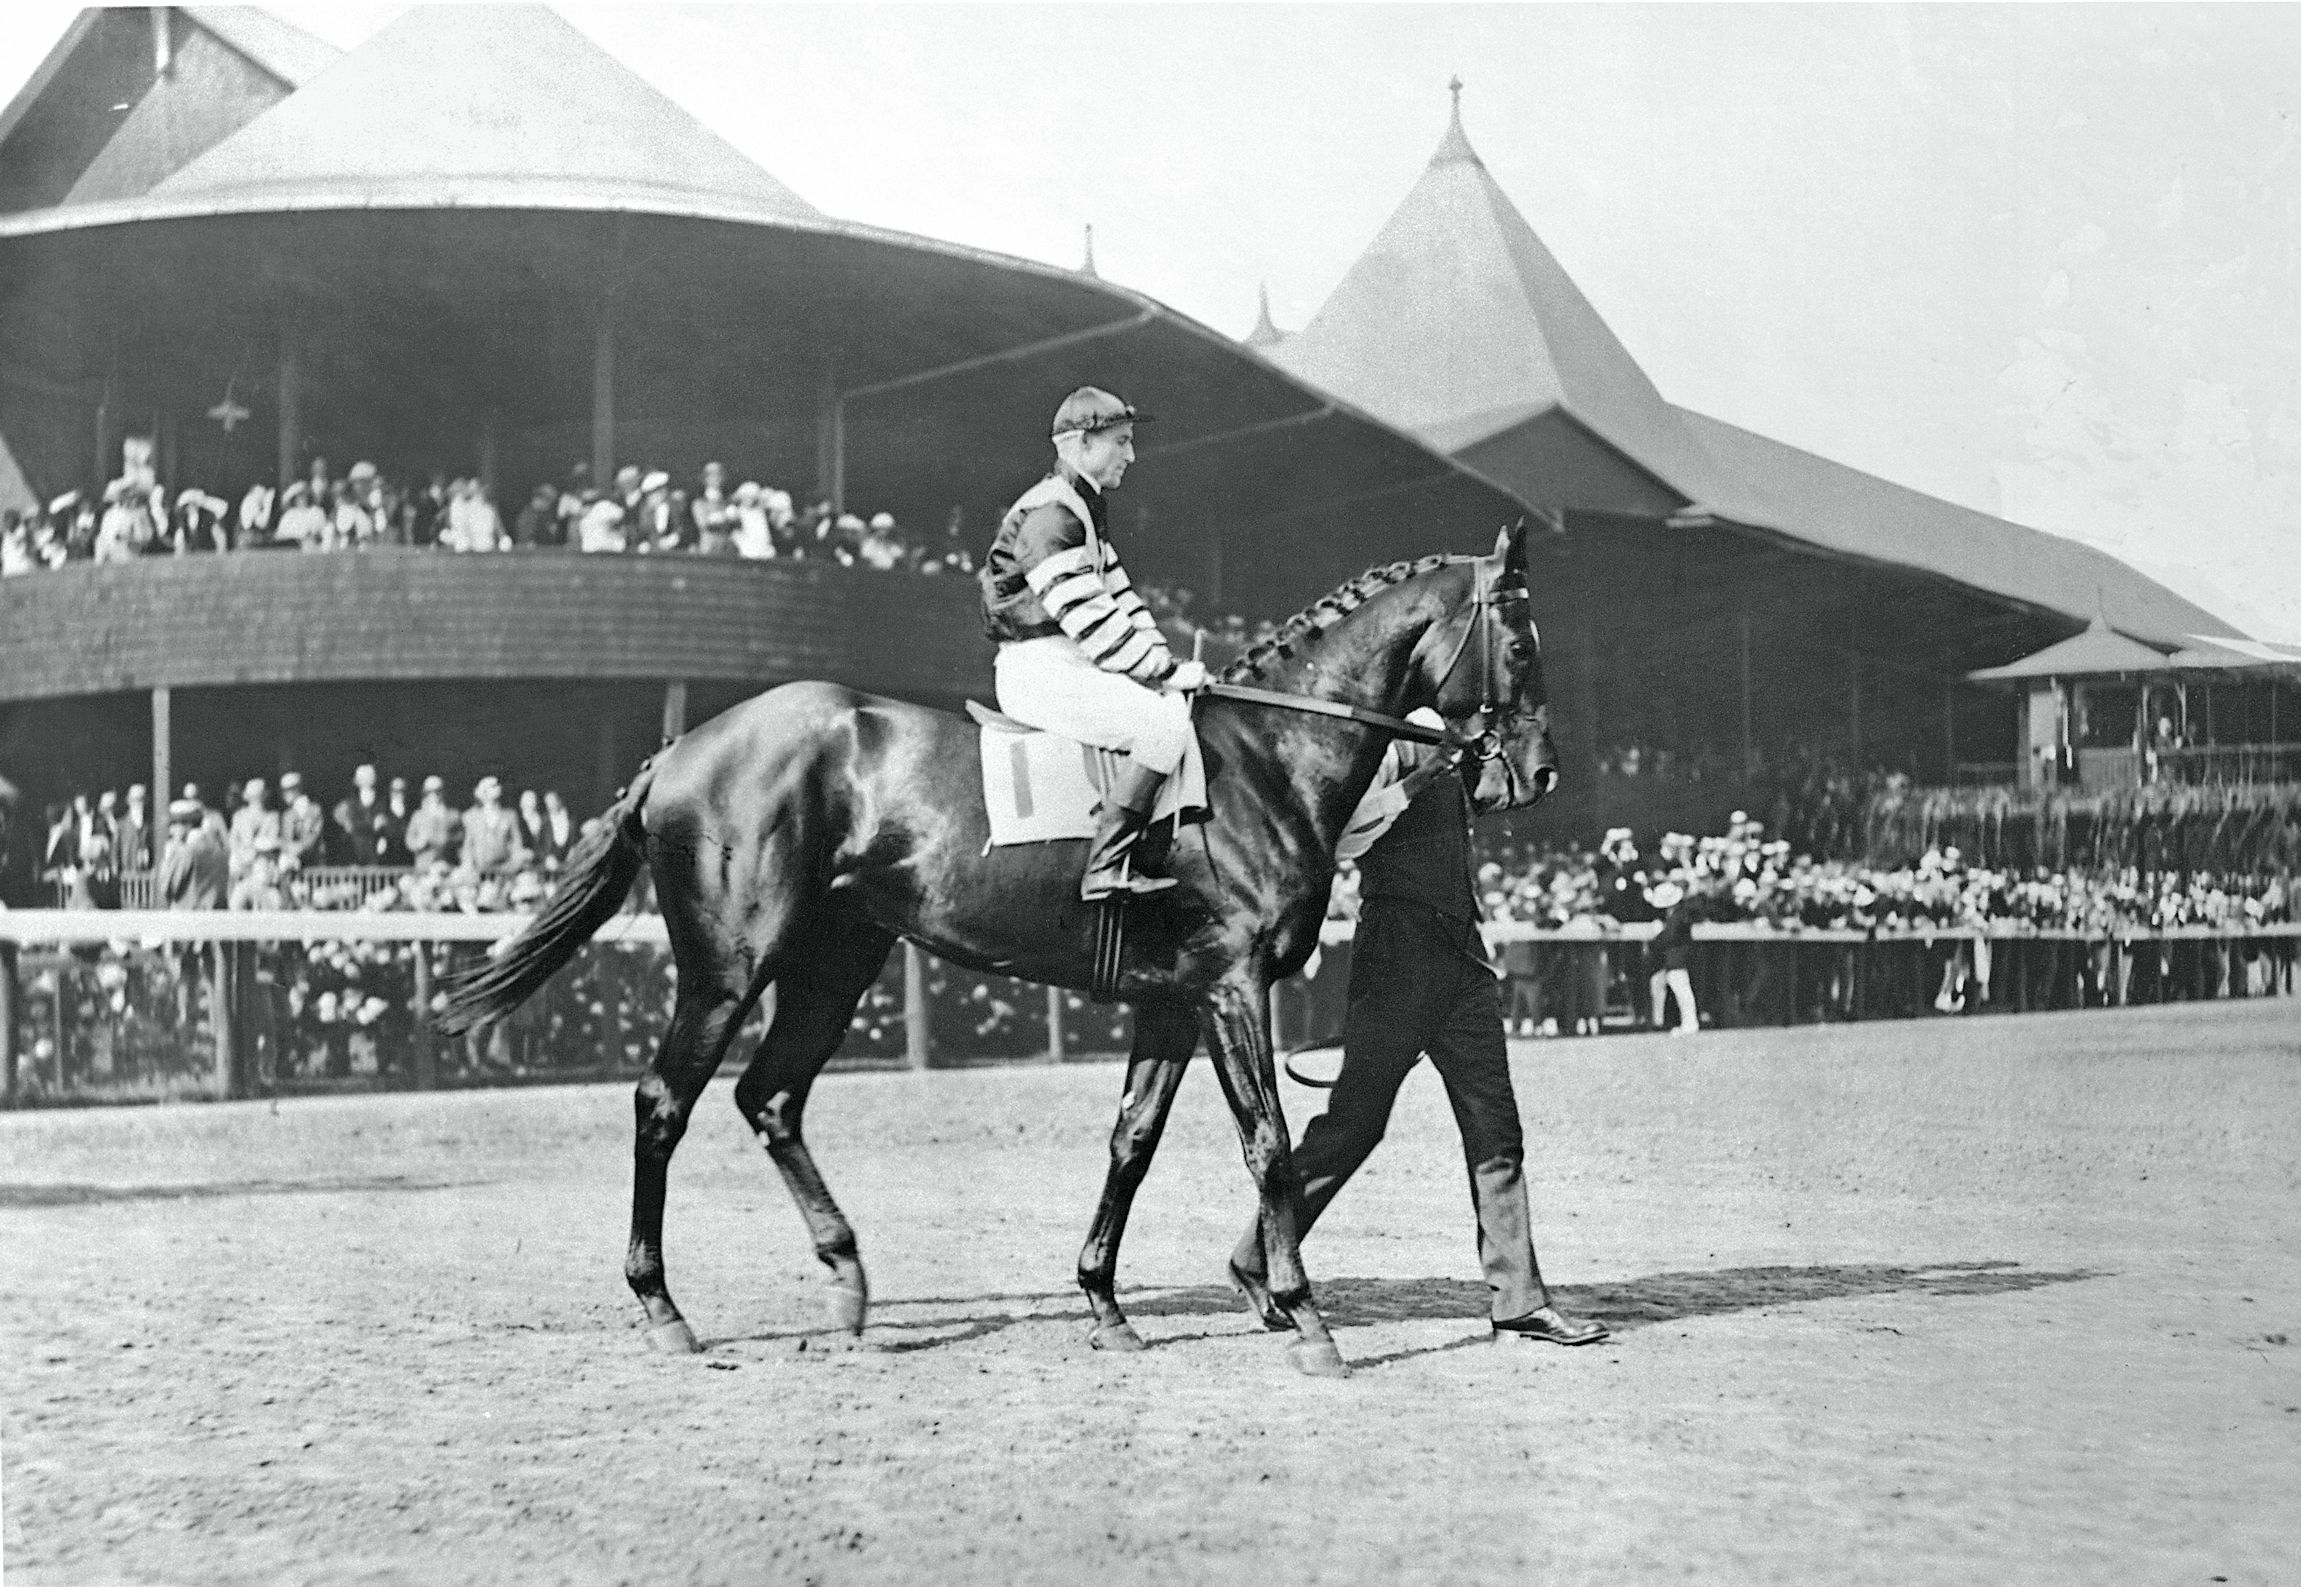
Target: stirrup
{"x": 1127, "y": 882}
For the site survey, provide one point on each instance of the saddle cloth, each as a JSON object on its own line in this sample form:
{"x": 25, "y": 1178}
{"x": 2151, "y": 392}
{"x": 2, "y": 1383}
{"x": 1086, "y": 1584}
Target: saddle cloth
{"x": 1042, "y": 788}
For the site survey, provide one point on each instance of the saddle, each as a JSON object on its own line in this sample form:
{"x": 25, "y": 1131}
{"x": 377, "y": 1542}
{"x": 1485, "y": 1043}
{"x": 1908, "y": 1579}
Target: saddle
{"x": 1039, "y": 787}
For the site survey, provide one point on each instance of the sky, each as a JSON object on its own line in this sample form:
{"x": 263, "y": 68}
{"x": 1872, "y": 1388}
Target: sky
{"x": 2043, "y": 261}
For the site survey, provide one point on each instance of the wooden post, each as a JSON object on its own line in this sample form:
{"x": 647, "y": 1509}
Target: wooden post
{"x": 224, "y": 1022}
{"x": 915, "y": 1050}
{"x": 1054, "y": 1024}
{"x": 1277, "y": 1026}
{"x": 426, "y": 1043}
{"x": 163, "y": 761}
{"x": 674, "y": 709}
{"x": 8, "y": 1005}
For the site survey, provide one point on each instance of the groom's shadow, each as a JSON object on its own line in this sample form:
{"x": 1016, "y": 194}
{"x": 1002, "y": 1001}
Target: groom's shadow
{"x": 1624, "y": 1306}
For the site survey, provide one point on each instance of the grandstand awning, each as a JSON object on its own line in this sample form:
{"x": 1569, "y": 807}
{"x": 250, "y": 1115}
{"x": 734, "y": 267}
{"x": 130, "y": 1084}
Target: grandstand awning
{"x": 452, "y": 209}
{"x": 2099, "y": 652}
{"x": 2211, "y": 655}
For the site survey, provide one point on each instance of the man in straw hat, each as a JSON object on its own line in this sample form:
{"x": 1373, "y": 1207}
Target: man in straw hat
{"x": 1079, "y": 654}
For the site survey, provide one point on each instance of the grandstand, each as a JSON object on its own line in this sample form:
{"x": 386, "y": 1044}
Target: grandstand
{"x": 477, "y": 247}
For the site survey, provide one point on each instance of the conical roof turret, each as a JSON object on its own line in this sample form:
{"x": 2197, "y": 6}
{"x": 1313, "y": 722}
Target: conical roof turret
{"x": 1458, "y": 323}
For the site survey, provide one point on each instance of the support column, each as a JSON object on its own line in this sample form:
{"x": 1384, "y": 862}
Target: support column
{"x": 490, "y": 425}
{"x": 1749, "y": 738}
{"x": 163, "y": 759}
{"x": 674, "y": 709}
{"x": 603, "y": 396}
{"x": 1854, "y": 707}
{"x": 1948, "y": 730}
{"x": 831, "y": 440}
{"x": 1054, "y": 1024}
{"x": 291, "y": 400}
{"x": 915, "y": 1049}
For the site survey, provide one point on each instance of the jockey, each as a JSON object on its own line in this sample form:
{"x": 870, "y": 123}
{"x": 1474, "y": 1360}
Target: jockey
{"x": 1079, "y": 654}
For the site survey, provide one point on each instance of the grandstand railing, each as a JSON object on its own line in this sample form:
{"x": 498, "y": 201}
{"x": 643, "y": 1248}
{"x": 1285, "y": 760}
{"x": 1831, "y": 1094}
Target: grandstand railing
{"x": 129, "y": 1004}
{"x": 2231, "y": 763}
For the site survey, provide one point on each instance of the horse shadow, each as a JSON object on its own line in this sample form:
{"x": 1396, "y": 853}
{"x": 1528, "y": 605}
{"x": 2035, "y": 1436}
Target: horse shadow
{"x": 1624, "y": 1306}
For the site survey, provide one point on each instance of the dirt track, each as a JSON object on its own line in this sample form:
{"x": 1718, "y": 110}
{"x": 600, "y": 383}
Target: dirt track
{"x": 2000, "y": 1299}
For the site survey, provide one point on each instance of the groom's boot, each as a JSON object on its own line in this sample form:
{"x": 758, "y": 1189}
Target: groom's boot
{"x": 1126, "y": 810}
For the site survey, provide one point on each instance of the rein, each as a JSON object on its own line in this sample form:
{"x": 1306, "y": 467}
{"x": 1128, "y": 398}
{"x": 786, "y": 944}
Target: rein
{"x": 1484, "y": 745}
{"x": 1397, "y": 726}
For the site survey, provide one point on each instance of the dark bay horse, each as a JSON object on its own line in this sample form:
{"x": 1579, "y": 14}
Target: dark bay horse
{"x": 794, "y": 838}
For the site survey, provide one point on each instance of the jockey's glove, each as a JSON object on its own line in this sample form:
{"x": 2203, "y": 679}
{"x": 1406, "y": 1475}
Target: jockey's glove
{"x": 1187, "y": 677}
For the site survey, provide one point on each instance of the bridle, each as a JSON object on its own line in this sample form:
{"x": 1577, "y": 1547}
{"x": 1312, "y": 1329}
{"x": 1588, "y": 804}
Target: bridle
{"x": 1486, "y": 742}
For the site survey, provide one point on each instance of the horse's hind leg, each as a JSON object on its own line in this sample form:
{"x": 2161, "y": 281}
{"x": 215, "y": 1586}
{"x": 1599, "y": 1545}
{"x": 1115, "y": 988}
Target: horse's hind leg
{"x": 816, "y": 991}
{"x": 707, "y": 1014}
{"x": 1165, "y": 1033}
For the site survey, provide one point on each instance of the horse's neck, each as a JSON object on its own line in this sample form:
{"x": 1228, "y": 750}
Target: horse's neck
{"x": 1366, "y": 659}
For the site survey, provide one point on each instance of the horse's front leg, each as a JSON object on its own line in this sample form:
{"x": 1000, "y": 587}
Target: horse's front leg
{"x": 1237, "y": 1019}
{"x": 1165, "y": 1034}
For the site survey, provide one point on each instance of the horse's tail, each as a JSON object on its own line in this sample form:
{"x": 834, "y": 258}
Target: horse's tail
{"x": 599, "y": 872}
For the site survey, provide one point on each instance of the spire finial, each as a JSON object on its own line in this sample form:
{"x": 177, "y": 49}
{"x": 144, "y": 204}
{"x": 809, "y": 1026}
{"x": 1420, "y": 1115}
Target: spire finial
{"x": 1265, "y": 333}
{"x": 1456, "y": 144}
{"x": 1087, "y": 265}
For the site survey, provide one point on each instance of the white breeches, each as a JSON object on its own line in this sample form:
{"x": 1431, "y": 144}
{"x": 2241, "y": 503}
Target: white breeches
{"x": 1050, "y": 684}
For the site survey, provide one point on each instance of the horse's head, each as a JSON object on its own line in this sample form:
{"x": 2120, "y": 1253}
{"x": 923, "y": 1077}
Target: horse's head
{"x": 1493, "y": 685}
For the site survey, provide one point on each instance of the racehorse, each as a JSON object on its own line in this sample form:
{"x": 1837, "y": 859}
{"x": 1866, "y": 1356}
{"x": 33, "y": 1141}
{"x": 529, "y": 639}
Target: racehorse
{"x": 795, "y": 837}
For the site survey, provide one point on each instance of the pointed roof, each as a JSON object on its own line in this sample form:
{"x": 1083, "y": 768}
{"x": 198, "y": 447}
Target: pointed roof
{"x": 1459, "y": 324}
{"x": 1266, "y": 332}
{"x": 2099, "y": 652}
{"x": 97, "y": 120}
{"x": 279, "y": 47}
{"x": 477, "y": 105}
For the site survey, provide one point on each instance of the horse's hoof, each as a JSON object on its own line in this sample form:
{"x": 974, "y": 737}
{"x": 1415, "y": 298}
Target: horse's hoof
{"x": 674, "y": 1338}
{"x": 847, "y": 1307}
{"x": 1317, "y": 1358}
{"x": 1119, "y": 1339}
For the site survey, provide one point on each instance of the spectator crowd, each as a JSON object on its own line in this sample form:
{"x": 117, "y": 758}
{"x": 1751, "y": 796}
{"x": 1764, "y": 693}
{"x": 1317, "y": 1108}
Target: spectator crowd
{"x": 378, "y": 847}
{"x": 637, "y": 512}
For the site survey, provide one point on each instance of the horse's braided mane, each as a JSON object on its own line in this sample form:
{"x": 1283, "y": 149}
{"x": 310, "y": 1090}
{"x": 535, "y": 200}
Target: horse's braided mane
{"x": 1326, "y": 611}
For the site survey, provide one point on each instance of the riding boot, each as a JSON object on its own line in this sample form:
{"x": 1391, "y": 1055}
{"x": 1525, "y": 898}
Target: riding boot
{"x": 1126, "y": 811}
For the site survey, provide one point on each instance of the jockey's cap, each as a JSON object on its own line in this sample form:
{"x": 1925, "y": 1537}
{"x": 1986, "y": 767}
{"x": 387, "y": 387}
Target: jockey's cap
{"x": 1090, "y": 408}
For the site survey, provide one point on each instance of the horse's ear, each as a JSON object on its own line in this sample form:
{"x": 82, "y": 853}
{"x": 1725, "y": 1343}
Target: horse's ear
{"x": 1510, "y": 551}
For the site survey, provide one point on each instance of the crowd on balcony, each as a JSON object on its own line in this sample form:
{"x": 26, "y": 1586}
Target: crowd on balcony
{"x": 637, "y": 512}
